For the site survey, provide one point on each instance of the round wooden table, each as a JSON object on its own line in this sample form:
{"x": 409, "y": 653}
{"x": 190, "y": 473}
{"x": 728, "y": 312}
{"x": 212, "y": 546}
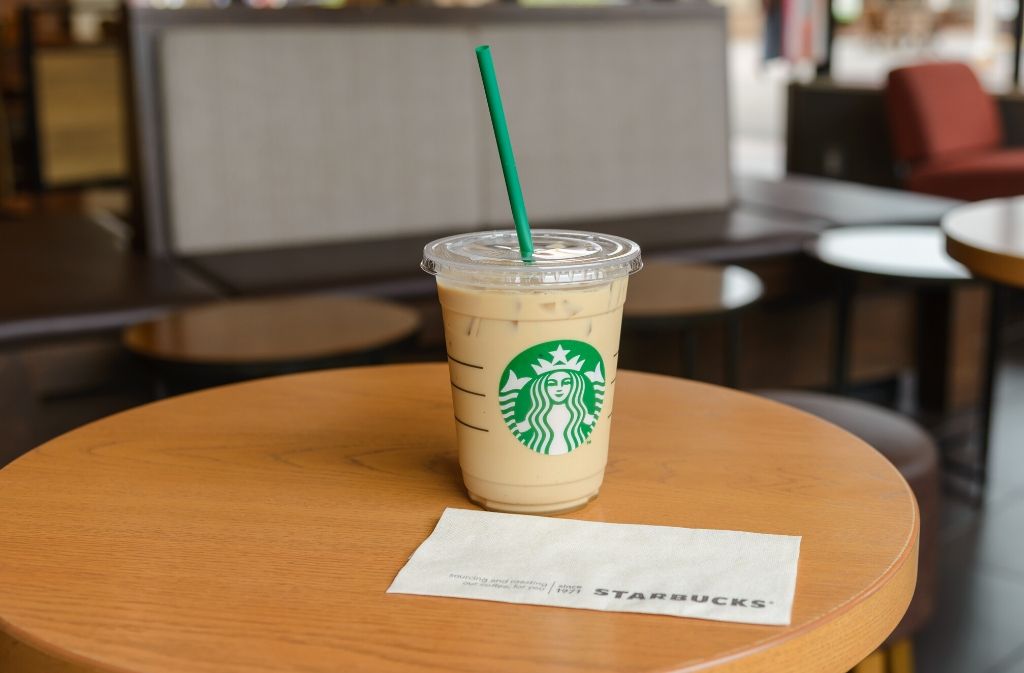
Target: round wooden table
{"x": 237, "y": 340}
{"x": 256, "y": 527}
{"x": 988, "y": 238}
{"x": 677, "y": 296}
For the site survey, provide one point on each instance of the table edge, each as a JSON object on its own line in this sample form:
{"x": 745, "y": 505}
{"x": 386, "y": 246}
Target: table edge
{"x": 986, "y": 263}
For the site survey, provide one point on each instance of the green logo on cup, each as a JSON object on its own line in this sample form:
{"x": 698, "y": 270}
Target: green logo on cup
{"x": 551, "y": 395}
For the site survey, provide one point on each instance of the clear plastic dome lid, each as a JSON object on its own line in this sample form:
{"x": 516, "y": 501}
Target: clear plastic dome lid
{"x": 560, "y": 257}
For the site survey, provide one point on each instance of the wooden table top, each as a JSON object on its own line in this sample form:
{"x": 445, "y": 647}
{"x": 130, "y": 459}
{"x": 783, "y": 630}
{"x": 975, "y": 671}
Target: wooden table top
{"x": 900, "y": 251}
{"x": 680, "y": 291}
{"x": 257, "y": 527}
{"x": 278, "y": 329}
{"x": 988, "y": 238}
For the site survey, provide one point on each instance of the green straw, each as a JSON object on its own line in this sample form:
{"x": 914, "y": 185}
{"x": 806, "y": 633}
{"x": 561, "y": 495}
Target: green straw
{"x": 508, "y": 159}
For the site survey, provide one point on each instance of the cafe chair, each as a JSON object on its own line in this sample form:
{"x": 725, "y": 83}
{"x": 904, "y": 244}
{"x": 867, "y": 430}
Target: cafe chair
{"x": 913, "y": 452}
{"x": 947, "y": 134}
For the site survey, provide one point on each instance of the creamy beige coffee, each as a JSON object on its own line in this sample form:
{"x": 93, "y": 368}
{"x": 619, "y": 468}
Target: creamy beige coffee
{"x": 533, "y": 352}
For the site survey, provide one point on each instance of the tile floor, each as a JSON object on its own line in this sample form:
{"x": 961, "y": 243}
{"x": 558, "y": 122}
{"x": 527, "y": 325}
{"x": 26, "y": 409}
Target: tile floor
{"x": 979, "y": 622}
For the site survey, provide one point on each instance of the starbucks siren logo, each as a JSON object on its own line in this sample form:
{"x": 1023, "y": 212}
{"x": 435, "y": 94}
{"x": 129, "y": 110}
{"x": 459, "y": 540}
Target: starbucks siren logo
{"x": 549, "y": 400}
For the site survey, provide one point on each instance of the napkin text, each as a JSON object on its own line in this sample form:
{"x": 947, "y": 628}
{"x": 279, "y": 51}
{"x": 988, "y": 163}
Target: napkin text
{"x": 693, "y": 598}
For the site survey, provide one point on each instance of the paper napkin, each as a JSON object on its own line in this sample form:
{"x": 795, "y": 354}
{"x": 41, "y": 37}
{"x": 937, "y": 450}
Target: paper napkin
{"x": 723, "y": 575}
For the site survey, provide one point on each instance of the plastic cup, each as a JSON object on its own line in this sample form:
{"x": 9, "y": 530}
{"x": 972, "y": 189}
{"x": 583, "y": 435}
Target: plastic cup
{"x": 533, "y": 352}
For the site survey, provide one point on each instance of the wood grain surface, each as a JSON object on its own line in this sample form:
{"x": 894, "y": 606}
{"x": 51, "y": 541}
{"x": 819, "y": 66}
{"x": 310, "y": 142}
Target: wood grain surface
{"x": 256, "y": 527}
{"x": 988, "y": 238}
{"x": 278, "y": 329}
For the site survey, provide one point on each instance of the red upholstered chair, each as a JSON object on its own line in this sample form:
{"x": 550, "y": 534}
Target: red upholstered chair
{"x": 947, "y": 131}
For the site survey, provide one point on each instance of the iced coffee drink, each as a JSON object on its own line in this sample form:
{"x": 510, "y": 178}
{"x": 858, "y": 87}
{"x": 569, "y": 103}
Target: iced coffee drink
{"x": 532, "y": 351}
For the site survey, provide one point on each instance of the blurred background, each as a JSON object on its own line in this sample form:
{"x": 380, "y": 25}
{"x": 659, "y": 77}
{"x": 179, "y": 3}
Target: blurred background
{"x": 195, "y": 193}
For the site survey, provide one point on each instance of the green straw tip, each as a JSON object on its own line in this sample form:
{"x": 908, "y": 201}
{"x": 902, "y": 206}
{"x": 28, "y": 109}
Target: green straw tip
{"x": 483, "y": 48}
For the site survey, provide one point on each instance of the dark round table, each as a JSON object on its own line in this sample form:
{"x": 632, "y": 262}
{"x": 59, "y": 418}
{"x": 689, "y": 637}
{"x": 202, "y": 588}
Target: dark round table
{"x": 912, "y": 253}
{"x": 239, "y": 340}
{"x": 675, "y": 296}
{"x": 915, "y": 256}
